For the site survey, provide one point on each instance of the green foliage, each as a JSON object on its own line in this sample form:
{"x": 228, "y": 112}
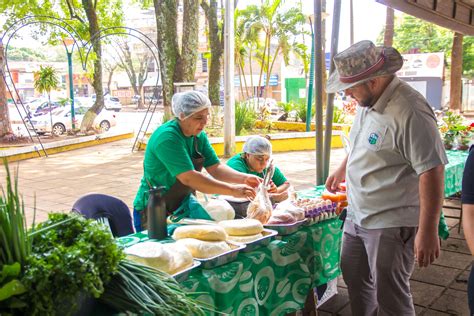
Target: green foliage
{"x": 286, "y": 107}
{"x": 245, "y": 117}
{"x": 411, "y": 32}
{"x": 339, "y": 117}
{"x": 46, "y": 79}
{"x": 301, "y": 110}
{"x": 15, "y": 244}
{"x": 70, "y": 255}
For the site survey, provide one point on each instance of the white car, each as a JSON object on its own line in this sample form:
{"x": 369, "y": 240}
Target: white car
{"x": 62, "y": 121}
{"x": 110, "y": 103}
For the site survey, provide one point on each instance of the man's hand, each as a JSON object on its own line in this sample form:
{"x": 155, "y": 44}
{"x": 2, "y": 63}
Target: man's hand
{"x": 426, "y": 248}
{"x": 243, "y": 191}
{"x": 335, "y": 179}
{"x": 252, "y": 180}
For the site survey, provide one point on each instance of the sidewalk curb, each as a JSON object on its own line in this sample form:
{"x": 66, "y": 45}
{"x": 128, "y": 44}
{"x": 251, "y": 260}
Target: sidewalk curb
{"x": 27, "y": 152}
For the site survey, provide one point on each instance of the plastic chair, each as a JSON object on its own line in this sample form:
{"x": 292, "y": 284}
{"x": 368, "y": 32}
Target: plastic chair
{"x": 108, "y": 210}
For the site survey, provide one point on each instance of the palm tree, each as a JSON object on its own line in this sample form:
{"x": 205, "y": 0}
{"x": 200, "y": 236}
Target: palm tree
{"x": 46, "y": 79}
{"x": 276, "y": 26}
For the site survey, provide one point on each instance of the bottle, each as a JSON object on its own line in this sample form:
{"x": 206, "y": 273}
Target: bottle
{"x": 156, "y": 209}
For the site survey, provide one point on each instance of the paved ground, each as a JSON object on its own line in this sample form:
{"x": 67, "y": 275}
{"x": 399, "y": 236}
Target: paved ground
{"x": 55, "y": 183}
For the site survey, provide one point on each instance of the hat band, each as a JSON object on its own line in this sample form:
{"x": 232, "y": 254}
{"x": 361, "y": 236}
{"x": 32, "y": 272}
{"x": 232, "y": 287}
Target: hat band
{"x": 365, "y": 73}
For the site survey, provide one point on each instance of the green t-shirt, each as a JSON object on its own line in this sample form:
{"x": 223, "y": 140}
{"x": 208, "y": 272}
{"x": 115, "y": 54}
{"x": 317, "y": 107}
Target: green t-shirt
{"x": 238, "y": 163}
{"x": 168, "y": 154}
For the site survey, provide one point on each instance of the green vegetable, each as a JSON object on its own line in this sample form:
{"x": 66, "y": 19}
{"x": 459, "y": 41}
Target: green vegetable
{"x": 141, "y": 289}
{"x": 71, "y": 256}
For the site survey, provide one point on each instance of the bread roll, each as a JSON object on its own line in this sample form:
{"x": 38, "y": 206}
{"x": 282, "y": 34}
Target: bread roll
{"x": 204, "y": 249}
{"x": 201, "y": 232}
{"x": 170, "y": 258}
{"x": 242, "y": 227}
{"x": 244, "y": 239}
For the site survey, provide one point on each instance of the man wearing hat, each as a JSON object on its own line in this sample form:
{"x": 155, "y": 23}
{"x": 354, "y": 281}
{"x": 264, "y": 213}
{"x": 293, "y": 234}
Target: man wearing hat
{"x": 395, "y": 181}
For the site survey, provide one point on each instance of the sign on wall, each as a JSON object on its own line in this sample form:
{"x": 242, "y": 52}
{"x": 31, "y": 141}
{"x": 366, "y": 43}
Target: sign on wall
{"x": 422, "y": 65}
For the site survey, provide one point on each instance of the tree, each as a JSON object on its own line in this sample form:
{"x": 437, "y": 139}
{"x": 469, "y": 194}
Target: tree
{"x": 389, "y": 25}
{"x": 46, "y": 79}
{"x": 110, "y": 67}
{"x": 87, "y": 17}
{"x": 277, "y": 26}
{"x": 177, "y": 61}
{"x": 216, "y": 44}
{"x": 455, "y": 95}
{"x": 5, "y": 125}
{"x": 426, "y": 37}
{"x": 136, "y": 68}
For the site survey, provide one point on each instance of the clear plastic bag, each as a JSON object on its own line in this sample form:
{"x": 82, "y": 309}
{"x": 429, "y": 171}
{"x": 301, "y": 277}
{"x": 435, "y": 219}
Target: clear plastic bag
{"x": 261, "y": 207}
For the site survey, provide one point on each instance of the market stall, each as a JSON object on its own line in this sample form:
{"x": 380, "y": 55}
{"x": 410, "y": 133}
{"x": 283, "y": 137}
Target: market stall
{"x": 274, "y": 279}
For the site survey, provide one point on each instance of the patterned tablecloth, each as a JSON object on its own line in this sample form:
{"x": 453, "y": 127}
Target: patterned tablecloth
{"x": 453, "y": 171}
{"x": 272, "y": 280}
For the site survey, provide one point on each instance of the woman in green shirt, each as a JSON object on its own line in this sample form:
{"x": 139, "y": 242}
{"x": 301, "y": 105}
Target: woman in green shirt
{"x": 175, "y": 154}
{"x": 254, "y": 160}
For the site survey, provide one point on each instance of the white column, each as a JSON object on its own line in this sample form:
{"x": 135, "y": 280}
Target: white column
{"x": 229, "y": 98}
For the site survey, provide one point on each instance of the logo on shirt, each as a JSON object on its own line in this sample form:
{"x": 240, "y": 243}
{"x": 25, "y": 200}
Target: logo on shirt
{"x": 373, "y": 137}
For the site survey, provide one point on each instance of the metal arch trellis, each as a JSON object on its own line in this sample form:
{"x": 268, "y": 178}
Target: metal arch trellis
{"x": 9, "y": 34}
{"x": 87, "y": 46}
{"x": 122, "y": 30}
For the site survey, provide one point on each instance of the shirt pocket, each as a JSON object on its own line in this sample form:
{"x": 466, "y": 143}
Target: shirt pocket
{"x": 373, "y": 136}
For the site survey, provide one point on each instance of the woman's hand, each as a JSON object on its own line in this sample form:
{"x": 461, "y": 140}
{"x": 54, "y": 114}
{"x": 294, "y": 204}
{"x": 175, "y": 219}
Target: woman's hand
{"x": 279, "y": 197}
{"x": 273, "y": 188}
{"x": 252, "y": 180}
{"x": 243, "y": 191}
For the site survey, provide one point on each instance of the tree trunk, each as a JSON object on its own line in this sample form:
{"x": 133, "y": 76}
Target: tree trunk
{"x": 217, "y": 49}
{"x": 5, "y": 125}
{"x": 186, "y": 67}
{"x": 389, "y": 25}
{"x": 167, "y": 40}
{"x": 456, "y": 73}
{"x": 90, "y": 115}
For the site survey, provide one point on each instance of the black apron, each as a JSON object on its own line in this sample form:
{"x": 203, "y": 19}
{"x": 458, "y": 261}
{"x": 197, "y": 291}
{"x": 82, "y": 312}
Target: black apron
{"x": 178, "y": 191}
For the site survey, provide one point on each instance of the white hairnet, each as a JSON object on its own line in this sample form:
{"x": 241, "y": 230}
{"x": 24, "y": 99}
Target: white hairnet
{"x": 187, "y": 103}
{"x": 258, "y": 145}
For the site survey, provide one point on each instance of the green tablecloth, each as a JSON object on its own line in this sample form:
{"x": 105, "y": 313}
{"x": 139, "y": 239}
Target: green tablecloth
{"x": 453, "y": 171}
{"x": 273, "y": 280}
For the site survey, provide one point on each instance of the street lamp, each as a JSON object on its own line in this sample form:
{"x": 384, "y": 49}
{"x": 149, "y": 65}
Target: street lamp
{"x": 69, "y": 46}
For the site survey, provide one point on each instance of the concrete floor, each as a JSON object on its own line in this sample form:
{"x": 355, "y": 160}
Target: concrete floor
{"x": 56, "y": 182}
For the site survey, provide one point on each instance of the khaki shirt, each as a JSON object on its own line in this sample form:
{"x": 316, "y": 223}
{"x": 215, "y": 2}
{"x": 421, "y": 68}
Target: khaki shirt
{"x": 392, "y": 143}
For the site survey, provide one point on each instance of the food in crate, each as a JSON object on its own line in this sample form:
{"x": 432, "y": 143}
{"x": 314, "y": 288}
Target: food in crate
{"x": 169, "y": 257}
{"x": 242, "y": 230}
{"x": 317, "y": 210}
{"x": 339, "y": 197}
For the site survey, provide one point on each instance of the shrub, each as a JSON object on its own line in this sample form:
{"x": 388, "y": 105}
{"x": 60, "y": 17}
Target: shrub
{"x": 245, "y": 117}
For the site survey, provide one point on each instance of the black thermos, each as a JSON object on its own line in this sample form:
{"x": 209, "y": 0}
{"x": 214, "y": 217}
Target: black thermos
{"x": 156, "y": 211}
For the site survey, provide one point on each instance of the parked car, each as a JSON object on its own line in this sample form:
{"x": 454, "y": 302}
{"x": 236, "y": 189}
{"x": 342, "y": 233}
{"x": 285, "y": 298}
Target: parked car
{"x": 44, "y": 108}
{"x": 259, "y": 103}
{"x": 110, "y": 103}
{"x": 62, "y": 121}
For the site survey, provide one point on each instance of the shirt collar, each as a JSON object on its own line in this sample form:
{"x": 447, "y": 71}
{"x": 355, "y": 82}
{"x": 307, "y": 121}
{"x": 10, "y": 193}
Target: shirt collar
{"x": 384, "y": 98}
